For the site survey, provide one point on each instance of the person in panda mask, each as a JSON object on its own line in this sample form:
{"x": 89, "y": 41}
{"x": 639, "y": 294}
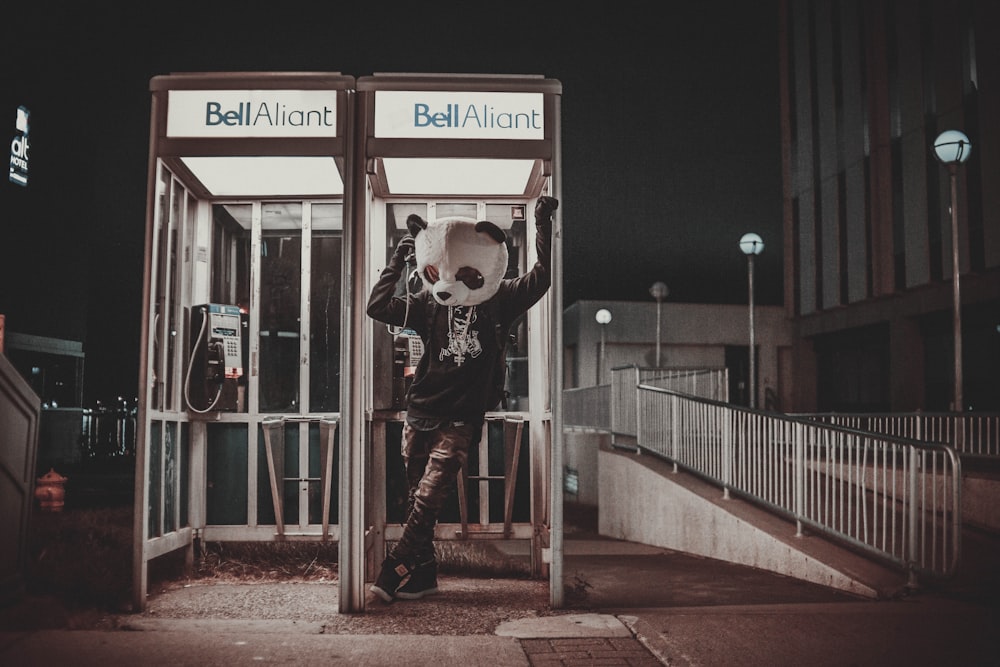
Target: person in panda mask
{"x": 463, "y": 316}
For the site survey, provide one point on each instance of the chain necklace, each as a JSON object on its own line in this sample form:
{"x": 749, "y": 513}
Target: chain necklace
{"x": 461, "y": 339}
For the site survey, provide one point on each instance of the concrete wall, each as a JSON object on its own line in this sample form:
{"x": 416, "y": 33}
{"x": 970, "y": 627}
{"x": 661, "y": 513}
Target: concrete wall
{"x": 641, "y": 500}
{"x": 580, "y": 456}
{"x": 692, "y": 335}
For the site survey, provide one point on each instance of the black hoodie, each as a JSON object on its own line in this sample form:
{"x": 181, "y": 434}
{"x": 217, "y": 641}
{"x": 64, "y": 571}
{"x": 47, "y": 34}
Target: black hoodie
{"x": 448, "y": 387}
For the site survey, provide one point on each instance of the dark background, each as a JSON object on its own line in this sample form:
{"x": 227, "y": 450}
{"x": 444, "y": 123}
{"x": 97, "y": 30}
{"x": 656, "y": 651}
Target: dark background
{"x": 669, "y": 116}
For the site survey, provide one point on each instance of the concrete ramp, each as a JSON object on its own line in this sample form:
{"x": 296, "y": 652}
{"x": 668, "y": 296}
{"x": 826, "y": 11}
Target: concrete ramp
{"x": 643, "y": 500}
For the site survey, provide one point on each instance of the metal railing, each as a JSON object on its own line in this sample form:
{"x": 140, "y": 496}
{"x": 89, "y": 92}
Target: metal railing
{"x": 707, "y": 383}
{"x": 893, "y": 497}
{"x": 108, "y": 431}
{"x": 969, "y": 433}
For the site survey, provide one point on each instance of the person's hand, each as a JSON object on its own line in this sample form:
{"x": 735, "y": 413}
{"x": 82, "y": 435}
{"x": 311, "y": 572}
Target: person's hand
{"x": 405, "y": 249}
{"x": 545, "y": 207}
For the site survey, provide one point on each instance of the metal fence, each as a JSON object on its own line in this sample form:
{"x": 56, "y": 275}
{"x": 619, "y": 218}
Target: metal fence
{"x": 108, "y": 431}
{"x": 969, "y": 433}
{"x": 887, "y": 484}
{"x": 893, "y": 497}
{"x": 706, "y": 383}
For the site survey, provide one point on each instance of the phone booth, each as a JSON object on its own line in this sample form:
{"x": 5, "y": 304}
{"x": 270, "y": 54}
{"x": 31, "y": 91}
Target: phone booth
{"x": 269, "y": 403}
{"x": 240, "y": 388}
{"x": 481, "y": 147}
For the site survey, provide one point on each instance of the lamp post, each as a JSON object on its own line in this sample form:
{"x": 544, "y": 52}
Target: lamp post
{"x": 659, "y": 291}
{"x": 752, "y": 245}
{"x": 603, "y": 316}
{"x": 952, "y": 148}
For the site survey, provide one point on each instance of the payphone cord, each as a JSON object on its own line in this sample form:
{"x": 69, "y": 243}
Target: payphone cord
{"x": 410, "y": 260}
{"x": 187, "y": 377}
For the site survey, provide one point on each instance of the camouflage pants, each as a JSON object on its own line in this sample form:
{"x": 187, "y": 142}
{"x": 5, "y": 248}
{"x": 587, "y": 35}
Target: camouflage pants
{"x": 432, "y": 460}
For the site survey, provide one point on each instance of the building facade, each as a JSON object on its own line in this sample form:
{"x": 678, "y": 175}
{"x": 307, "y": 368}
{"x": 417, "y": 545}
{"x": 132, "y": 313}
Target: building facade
{"x": 866, "y": 87}
{"x": 692, "y": 336}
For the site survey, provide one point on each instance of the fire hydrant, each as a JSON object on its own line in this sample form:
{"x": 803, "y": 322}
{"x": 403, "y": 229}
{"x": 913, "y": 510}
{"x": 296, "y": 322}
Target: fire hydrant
{"x": 50, "y": 491}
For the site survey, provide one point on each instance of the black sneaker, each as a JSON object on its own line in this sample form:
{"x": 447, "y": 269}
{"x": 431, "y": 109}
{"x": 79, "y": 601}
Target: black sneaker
{"x": 422, "y": 582}
{"x": 394, "y": 572}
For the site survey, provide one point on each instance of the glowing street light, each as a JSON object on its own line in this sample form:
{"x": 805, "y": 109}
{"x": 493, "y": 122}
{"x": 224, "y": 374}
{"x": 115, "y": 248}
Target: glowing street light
{"x": 752, "y": 245}
{"x": 952, "y": 148}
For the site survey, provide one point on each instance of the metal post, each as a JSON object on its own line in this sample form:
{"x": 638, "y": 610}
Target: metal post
{"x": 956, "y": 290}
{"x": 600, "y": 362}
{"x": 753, "y": 370}
{"x": 658, "y": 305}
{"x": 659, "y": 291}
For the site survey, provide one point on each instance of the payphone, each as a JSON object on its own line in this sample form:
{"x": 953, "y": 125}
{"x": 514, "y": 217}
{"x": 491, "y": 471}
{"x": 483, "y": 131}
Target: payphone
{"x": 215, "y": 369}
{"x": 407, "y": 350}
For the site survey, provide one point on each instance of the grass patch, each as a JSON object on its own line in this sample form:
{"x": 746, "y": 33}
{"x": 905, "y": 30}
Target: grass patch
{"x": 84, "y": 557}
{"x": 267, "y": 561}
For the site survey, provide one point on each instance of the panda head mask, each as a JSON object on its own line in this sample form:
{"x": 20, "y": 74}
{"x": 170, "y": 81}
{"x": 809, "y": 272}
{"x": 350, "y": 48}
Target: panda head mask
{"x": 460, "y": 261}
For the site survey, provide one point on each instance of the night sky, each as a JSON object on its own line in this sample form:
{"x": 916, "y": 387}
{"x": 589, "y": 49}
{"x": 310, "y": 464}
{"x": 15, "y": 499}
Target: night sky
{"x": 669, "y": 117}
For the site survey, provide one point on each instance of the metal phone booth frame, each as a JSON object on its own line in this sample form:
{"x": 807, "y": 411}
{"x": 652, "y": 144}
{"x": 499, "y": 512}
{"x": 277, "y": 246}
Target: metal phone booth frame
{"x": 248, "y": 185}
{"x": 444, "y": 128}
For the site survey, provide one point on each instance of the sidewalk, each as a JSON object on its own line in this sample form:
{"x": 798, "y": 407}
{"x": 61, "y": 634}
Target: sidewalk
{"x": 627, "y": 605}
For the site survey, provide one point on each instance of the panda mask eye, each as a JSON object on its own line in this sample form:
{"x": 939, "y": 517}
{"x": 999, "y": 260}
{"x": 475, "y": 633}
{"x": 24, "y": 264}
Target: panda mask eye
{"x": 472, "y": 278}
{"x": 431, "y": 273}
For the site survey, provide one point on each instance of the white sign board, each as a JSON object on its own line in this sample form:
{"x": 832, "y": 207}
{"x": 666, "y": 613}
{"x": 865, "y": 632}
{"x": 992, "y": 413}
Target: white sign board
{"x": 459, "y": 115}
{"x": 252, "y": 113}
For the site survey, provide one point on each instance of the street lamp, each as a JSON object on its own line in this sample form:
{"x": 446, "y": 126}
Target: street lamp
{"x": 952, "y": 148}
{"x": 751, "y": 244}
{"x": 603, "y": 316}
{"x": 659, "y": 291}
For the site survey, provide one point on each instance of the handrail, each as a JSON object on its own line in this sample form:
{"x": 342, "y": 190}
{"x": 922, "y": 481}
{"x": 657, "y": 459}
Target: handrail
{"x": 896, "y": 498}
{"x": 972, "y": 434}
{"x": 710, "y": 383}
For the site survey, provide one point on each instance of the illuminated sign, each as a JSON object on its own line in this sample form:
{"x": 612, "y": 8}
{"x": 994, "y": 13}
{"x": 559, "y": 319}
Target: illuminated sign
{"x": 459, "y": 115}
{"x": 252, "y": 113}
{"x": 19, "y": 149}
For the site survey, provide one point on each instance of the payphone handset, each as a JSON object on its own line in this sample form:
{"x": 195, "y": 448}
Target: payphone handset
{"x": 216, "y": 363}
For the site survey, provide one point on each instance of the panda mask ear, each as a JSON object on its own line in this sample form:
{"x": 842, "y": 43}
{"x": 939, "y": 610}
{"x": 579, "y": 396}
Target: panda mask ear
{"x": 490, "y": 229}
{"x": 415, "y": 224}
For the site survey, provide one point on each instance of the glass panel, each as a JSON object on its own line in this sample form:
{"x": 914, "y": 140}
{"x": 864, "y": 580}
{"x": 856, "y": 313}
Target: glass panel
{"x": 280, "y": 296}
{"x": 231, "y": 254}
{"x": 184, "y": 469}
{"x": 328, "y": 217}
{"x": 315, "y": 472}
{"x": 285, "y": 445}
{"x": 448, "y": 209}
{"x": 395, "y": 221}
{"x": 290, "y": 488}
{"x": 230, "y": 278}
{"x": 512, "y": 218}
{"x": 155, "y": 478}
{"x": 159, "y": 302}
{"x": 173, "y": 269}
{"x": 507, "y": 215}
{"x": 171, "y": 454}
{"x": 265, "y": 506}
{"x": 324, "y": 318}
{"x": 396, "y": 215}
{"x": 227, "y": 465}
{"x": 501, "y": 437}
{"x": 395, "y": 474}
